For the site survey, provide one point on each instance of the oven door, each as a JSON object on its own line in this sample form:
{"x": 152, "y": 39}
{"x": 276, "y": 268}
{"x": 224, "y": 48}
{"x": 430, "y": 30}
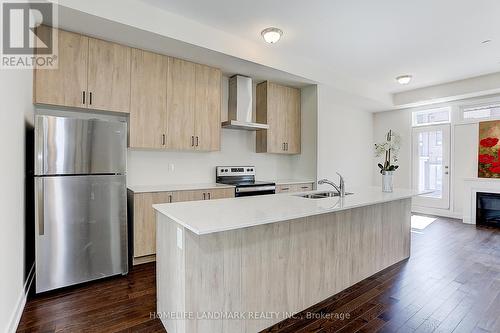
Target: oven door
{"x": 255, "y": 190}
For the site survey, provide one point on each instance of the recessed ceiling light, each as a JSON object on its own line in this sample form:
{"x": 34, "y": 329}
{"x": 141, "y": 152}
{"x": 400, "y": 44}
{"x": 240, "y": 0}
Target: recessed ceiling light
{"x": 404, "y": 79}
{"x": 271, "y": 35}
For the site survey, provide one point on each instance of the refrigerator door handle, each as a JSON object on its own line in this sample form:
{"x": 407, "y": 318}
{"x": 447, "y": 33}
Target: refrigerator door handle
{"x": 40, "y": 207}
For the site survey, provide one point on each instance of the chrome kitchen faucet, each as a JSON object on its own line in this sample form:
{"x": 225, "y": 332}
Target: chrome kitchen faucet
{"x": 340, "y": 188}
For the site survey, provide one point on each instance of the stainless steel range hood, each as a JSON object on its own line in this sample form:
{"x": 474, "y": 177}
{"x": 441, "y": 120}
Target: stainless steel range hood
{"x": 240, "y": 105}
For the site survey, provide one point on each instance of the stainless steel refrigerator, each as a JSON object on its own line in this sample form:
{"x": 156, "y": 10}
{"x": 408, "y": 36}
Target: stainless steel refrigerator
{"x": 80, "y": 200}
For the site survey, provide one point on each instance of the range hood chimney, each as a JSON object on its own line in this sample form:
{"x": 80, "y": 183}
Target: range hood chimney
{"x": 240, "y": 105}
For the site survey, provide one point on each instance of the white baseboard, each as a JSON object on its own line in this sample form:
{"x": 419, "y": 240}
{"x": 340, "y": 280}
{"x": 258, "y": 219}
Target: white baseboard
{"x": 21, "y": 302}
{"x": 436, "y": 212}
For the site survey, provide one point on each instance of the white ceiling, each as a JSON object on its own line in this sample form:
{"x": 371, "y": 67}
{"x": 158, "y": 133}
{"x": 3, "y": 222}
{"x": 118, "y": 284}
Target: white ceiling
{"x": 367, "y": 41}
{"x": 95, "y": 26}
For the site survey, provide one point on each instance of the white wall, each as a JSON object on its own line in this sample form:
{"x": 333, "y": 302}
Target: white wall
{"x": 237, "y": 148}
{"x": 345, "y": 135}
{"x": 16, "y": 110}
{"x": 464, "y": 148}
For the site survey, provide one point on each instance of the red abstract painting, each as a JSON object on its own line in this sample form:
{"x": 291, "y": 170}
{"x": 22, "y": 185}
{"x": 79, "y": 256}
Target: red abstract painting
{"x": 489, "y": 146}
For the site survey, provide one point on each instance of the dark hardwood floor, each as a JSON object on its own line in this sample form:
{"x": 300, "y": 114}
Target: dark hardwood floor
{"x": 451, "y": 283}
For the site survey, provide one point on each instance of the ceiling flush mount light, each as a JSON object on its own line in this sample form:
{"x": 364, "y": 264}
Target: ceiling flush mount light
{"x": 404, "y": 79}
{"x": 271, "y": 35}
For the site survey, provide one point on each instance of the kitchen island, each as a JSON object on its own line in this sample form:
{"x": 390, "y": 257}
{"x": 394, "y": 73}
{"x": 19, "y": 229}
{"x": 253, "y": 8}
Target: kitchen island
{"x": 243, "y": 264}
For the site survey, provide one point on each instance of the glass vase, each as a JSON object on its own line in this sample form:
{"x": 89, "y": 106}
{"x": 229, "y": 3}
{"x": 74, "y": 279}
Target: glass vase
{"x": 387, "y": 181}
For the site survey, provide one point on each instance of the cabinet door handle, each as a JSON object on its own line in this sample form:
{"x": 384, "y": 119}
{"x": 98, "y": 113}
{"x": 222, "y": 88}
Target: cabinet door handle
{"x": 283, "y": 148}
{"x": 83, "y": 97}
{"x": 304, "y": 187}
{"x": 192, "y": 141}
{"x": 204, "y": 196}
{"x": 170, "y": 198}
{"x": 197, "y": 141}
{"x": 286, "y": 145}
{"x": 285, "y": 188}
{"x": 90, "y": 98}
{"x": 163, "y": 139}
{"x": 209, "y": 196}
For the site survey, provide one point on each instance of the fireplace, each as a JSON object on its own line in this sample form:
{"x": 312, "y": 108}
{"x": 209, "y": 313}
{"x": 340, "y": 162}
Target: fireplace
{"x": 488, "y": 209}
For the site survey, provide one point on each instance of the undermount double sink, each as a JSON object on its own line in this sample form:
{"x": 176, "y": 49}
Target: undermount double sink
{"x": 322, "y": 195}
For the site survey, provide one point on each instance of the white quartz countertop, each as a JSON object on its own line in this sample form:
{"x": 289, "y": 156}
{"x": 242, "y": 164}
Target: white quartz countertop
{"x": 175, "y": 187}
{"x": 210, "y": 216}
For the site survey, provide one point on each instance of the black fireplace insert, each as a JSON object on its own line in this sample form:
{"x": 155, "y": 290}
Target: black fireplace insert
{"x": 488, "y": 209}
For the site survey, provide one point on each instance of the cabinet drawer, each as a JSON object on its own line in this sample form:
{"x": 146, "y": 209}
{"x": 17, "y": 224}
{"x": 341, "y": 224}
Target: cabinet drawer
{"x": 290, "y": 188}
{"x": 304, "y": 187}
{"x": 284, "y": 188}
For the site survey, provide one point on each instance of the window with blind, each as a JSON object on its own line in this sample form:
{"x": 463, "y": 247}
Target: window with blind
{"x": 481, "y": 112}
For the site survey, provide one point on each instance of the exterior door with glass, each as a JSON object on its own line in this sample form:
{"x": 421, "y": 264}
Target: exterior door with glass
{"x": 431, "y": 165}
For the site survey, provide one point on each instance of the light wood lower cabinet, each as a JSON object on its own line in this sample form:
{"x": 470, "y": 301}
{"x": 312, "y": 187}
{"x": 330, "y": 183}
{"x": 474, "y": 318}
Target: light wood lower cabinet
{"x": 145, "y": 222}
{"x": 291, "y": 188}
{"x": 144, "y": 217}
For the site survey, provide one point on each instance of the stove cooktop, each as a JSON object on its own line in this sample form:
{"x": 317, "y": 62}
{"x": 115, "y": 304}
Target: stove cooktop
{"x": 246, "y": 183}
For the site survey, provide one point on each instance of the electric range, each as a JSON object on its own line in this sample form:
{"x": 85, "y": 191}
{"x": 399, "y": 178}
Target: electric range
{"x": 243, "y": 178}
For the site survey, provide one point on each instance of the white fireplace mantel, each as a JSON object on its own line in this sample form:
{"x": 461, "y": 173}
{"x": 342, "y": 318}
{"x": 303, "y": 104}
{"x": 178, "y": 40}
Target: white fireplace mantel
{"x": 472, "y": 186}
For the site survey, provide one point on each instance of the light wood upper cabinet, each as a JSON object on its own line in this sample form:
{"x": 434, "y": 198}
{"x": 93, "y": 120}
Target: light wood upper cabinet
{"x": 174, "y": 104}
{"x": 67, "y": 84}
{"x": 279, "y": 107}
{"x": 108, "y": 76}
{"x": 181, "y": 85}
{"x": 207, "y": 108}
{"x": 148, "y": 100}
{"x": 91, "y": 73}
{"x": 193, "y": 106}
{"x": 293, "y": 121}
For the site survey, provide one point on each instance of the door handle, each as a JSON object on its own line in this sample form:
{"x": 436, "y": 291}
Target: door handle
{"x": 197, "y": 141}
{"x": 170, "y": 198}
{"x": 90, "y": 98}
{"x": 209, "y": 196}
{"x": 83, "y": 97}
{"x": 40, "y": 207}
{"x": 192, "y": 141}
{"x": 204, "y": 196}
{"x": 163, "y": 139}
{"x": 283, "y": 148}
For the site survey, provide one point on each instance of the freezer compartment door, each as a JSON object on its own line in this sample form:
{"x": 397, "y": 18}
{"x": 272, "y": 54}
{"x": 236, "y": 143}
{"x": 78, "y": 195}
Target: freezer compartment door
{"x": 68, "y": 146}
{"x": 81, "y": 229}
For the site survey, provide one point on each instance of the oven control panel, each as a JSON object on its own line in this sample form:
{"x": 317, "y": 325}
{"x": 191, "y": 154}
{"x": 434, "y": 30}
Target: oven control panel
{"x": 235, "y": 171}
